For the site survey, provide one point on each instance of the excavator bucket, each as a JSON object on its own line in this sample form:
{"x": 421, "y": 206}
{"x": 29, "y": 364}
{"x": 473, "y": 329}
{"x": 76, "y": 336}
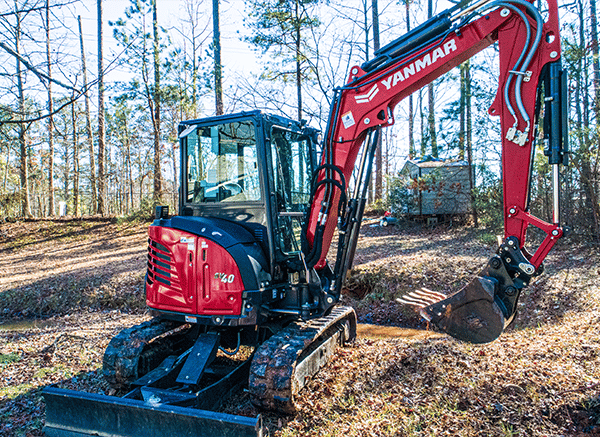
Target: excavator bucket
{"x": 471, "y": 314}
{"x": 76, "y": 414}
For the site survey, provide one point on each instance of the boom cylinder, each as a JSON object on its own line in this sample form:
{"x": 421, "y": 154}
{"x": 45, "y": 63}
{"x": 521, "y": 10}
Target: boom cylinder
{"x": 420, "y": 35}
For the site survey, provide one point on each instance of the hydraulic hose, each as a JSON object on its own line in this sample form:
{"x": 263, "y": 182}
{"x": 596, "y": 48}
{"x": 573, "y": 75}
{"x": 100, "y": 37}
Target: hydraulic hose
{"x": 515, "y": 68}
{"x": 437, "y": 28}
{"x": 536, "y": 42}
{"x": 520, "y": 72}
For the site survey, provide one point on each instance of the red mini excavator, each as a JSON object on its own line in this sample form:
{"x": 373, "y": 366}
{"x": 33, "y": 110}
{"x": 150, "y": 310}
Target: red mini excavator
{"x": 238, "y": 280}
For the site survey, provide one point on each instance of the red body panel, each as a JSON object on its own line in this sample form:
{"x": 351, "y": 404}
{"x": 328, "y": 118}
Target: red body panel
{"x": 190, "y": 274}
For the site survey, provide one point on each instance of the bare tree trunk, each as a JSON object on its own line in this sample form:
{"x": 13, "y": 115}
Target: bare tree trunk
{"x": 366, "y": 15}
{"x": 469, "y": 139}
{"x": 35, "y": 181}
{"x": 378, "y": 154}
{"x": 217, "y": 54}
{"x": 431, "y": 120}
{"x": 298, "y": 62}
{"x": 422, "y": 125}
{"x": 51, "y": 211}
{"x": 194, "y": 67}
{"x": 588, "y": 175}
{"x": 75, "y": 163}
{"x": 585, "y": 145}
{"x": 411, "y": 115}
{"x": 101, "y": 145}
{"x": 365, "y": 4}
{"x": 176, "y": 178}
{"x": 129, "y": 176}
{"x": 66, "y": 174}
{"x": 131, "y": 192}
{"x": 5, "y": 179}
{"x": 595, "y": 55}
{"x": 193, "y": 23}
{"x": 431, "y": 93}
{"x": 23, "y": 168}
{"x": 578, "y": 91}
{"x": 157, "y": 195}
{"x": 88, "y": 123}
{"x": 462, "y": 111}
{"x": 469, "y": 127}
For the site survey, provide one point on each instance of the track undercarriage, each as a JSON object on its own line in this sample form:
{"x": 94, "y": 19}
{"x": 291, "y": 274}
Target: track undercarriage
{"x": 179, "y": 394}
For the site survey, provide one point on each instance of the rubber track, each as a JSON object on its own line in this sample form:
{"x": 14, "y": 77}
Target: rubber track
{"x": 121, "y": 361}
{"x": 271, "y": 373}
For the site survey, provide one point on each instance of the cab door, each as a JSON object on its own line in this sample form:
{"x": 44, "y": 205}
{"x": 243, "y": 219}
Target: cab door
{"x": 291, "y": 156}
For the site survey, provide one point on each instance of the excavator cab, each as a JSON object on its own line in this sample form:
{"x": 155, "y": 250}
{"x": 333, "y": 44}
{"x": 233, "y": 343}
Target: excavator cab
{"x": 245, "y": 183}
{"x": 221, "y": 274}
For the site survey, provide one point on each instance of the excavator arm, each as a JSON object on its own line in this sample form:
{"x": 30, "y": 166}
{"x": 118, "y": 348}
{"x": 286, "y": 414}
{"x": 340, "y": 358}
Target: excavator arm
{"x": 530, "y": 71}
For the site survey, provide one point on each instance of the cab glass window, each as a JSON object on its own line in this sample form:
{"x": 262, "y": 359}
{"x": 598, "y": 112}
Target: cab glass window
{"x": 291, "y": 158}
{"x": 290, "y": 154}
{"x": 222, "y": 165}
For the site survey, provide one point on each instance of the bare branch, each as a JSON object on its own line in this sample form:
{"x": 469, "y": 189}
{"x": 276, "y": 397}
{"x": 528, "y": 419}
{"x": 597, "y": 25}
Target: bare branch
{"x": 41, "y": 117}
{"x": 35, "y": 71}
{"x": 34, "y": 9}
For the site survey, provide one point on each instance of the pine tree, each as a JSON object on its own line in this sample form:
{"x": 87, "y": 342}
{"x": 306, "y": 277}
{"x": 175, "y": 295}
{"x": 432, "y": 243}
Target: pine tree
{"x": 278, "y": 26}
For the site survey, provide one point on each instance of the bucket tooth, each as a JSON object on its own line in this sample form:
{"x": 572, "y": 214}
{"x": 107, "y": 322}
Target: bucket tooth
{"x": 470, "y": 314}
{"x": 421, "y": 298}
{"x": 431, "y": 293}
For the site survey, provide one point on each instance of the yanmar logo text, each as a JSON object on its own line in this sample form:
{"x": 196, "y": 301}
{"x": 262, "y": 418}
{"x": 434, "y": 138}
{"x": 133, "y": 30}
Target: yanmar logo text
{"x": 420, "y": 64}
{"x": 410, "y": 70}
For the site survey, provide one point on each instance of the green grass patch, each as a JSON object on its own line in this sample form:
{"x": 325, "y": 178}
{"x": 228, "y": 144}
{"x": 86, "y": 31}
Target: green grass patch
{"x": 488, "y": 238}
{"x": 14, "y": 391}
{"x": 9, "y": 358}
{"x": 55, "y": 370}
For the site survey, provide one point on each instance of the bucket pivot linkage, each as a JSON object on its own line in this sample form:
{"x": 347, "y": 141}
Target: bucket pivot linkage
{"x": 479, "y": 312}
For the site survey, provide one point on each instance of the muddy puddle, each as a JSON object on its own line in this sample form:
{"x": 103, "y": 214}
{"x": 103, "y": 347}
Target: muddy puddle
{"x": 24, "y": 325}
{"x": 379, "y": 331}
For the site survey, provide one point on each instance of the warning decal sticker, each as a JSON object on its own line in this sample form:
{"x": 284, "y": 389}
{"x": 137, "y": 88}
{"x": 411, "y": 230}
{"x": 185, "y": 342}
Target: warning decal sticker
{"x": 348, "y": 119}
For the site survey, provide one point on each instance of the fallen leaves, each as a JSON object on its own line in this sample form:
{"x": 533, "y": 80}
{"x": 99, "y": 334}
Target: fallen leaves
{"x": 540, "y": 378}
{"x": 73, "y": 265}
{"x": 67, "y": 352}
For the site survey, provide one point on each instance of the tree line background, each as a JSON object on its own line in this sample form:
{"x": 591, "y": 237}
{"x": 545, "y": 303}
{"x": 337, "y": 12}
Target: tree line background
{"x": 91, "y": 133}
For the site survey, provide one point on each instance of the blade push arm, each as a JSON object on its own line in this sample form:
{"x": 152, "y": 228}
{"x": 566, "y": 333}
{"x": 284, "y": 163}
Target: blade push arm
{"x": 529, "y": 56}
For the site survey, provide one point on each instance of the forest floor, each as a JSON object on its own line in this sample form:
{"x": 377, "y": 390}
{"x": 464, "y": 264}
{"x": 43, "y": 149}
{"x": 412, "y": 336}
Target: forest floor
{"x": 67, "y": 287}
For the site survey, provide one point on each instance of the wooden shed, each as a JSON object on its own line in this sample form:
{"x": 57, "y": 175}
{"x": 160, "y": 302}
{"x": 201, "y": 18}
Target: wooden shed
{"x": 438, "y": 187}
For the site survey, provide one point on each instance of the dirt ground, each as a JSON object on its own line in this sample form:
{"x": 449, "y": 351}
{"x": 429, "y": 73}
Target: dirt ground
{"x": 67, "y": 287}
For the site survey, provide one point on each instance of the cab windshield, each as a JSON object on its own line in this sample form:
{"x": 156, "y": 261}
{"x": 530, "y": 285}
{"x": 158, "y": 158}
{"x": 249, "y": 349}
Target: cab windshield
{"x": 222, "y": 164}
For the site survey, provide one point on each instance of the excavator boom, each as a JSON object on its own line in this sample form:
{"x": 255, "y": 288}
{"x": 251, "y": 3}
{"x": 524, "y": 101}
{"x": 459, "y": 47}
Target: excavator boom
{"x": 529, "y": 59}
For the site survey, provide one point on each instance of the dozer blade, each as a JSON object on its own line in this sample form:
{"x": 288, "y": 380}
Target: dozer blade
{"x": 470, "y": 314}
{"x": 76, "y": 414}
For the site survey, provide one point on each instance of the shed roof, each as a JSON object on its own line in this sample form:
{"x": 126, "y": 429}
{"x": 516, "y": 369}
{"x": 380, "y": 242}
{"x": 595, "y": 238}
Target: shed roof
{"x": 431, "y": 162}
